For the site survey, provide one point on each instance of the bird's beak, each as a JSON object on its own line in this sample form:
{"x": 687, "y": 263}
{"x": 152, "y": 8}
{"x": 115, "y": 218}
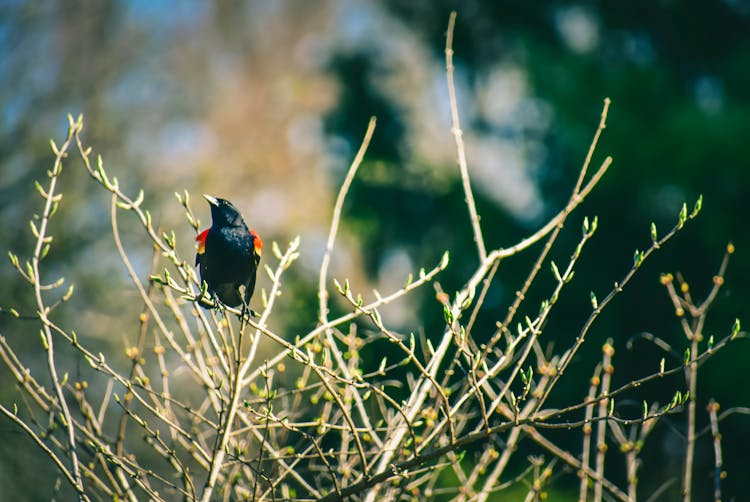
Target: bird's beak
{"x": 211, "y": 200}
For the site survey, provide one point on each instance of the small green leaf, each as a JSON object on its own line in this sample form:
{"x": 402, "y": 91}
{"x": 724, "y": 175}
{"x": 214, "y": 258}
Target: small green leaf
{"x": 30, "y": 272}
{"x": 697, "y": 208}
{"x": 139, "y": 199}
{"x": 466, "y": 303}
{"x": 376, "y": 317}
{"x": 735, "y": 328}
{"x": 156, "y": 278}
{"x": 529, "y": 323}
{"x": 294, "y": 244}
{"x": 165, "y": 238}
{"x": 683, "y": 216}
{"x": 40, "y": 189}
{"x": 555, "y": 271}
{"x": 675, "y": 399}
{"x": 276, "y": 250}
{"x": 448, "y": 314}
{"x": 638, "y": 258}
{"x": 444, "y": 260}
{"x": 291, "y": 259}
{"x": 594, "y": 225}
{"x": 594, "y": 301}
{"x": 100, "y": 170}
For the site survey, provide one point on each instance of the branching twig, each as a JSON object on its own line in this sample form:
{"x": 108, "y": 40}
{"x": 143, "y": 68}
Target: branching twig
{"x": 42, "y": 243}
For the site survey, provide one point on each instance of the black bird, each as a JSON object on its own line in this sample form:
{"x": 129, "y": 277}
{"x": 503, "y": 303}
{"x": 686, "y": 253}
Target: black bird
{"x": 228, "y": 255}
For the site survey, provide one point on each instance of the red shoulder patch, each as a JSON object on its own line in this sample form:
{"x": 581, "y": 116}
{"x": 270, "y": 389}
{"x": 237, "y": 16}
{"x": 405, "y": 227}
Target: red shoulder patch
{"x": 201, "y": 239}
{"x": 257, "y": 242}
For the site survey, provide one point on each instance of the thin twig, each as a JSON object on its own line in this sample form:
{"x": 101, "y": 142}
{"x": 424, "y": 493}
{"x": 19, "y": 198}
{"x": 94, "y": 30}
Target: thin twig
{"x": 713, "y": 407}
{"x": 603, "y": 413}
{"x": 323, "y": 277}
{"x": 458, "y": 135}
{"x": 586, "y": 448}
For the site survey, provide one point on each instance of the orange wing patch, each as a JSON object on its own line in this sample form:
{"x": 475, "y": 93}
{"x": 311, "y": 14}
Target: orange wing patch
{"x": 201, "y": 239}
{"x": 257, "y": 242}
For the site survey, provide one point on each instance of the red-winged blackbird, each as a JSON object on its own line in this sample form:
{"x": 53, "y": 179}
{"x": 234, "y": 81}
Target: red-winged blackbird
{"x": 228, "y": 254}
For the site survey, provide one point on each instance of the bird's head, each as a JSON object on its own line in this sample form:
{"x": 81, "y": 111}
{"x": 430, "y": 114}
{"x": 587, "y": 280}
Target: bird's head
{"x": 223, "y": 213}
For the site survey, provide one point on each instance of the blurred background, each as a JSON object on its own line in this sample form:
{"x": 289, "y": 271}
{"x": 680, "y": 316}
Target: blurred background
{"x": 265, "y": 102}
